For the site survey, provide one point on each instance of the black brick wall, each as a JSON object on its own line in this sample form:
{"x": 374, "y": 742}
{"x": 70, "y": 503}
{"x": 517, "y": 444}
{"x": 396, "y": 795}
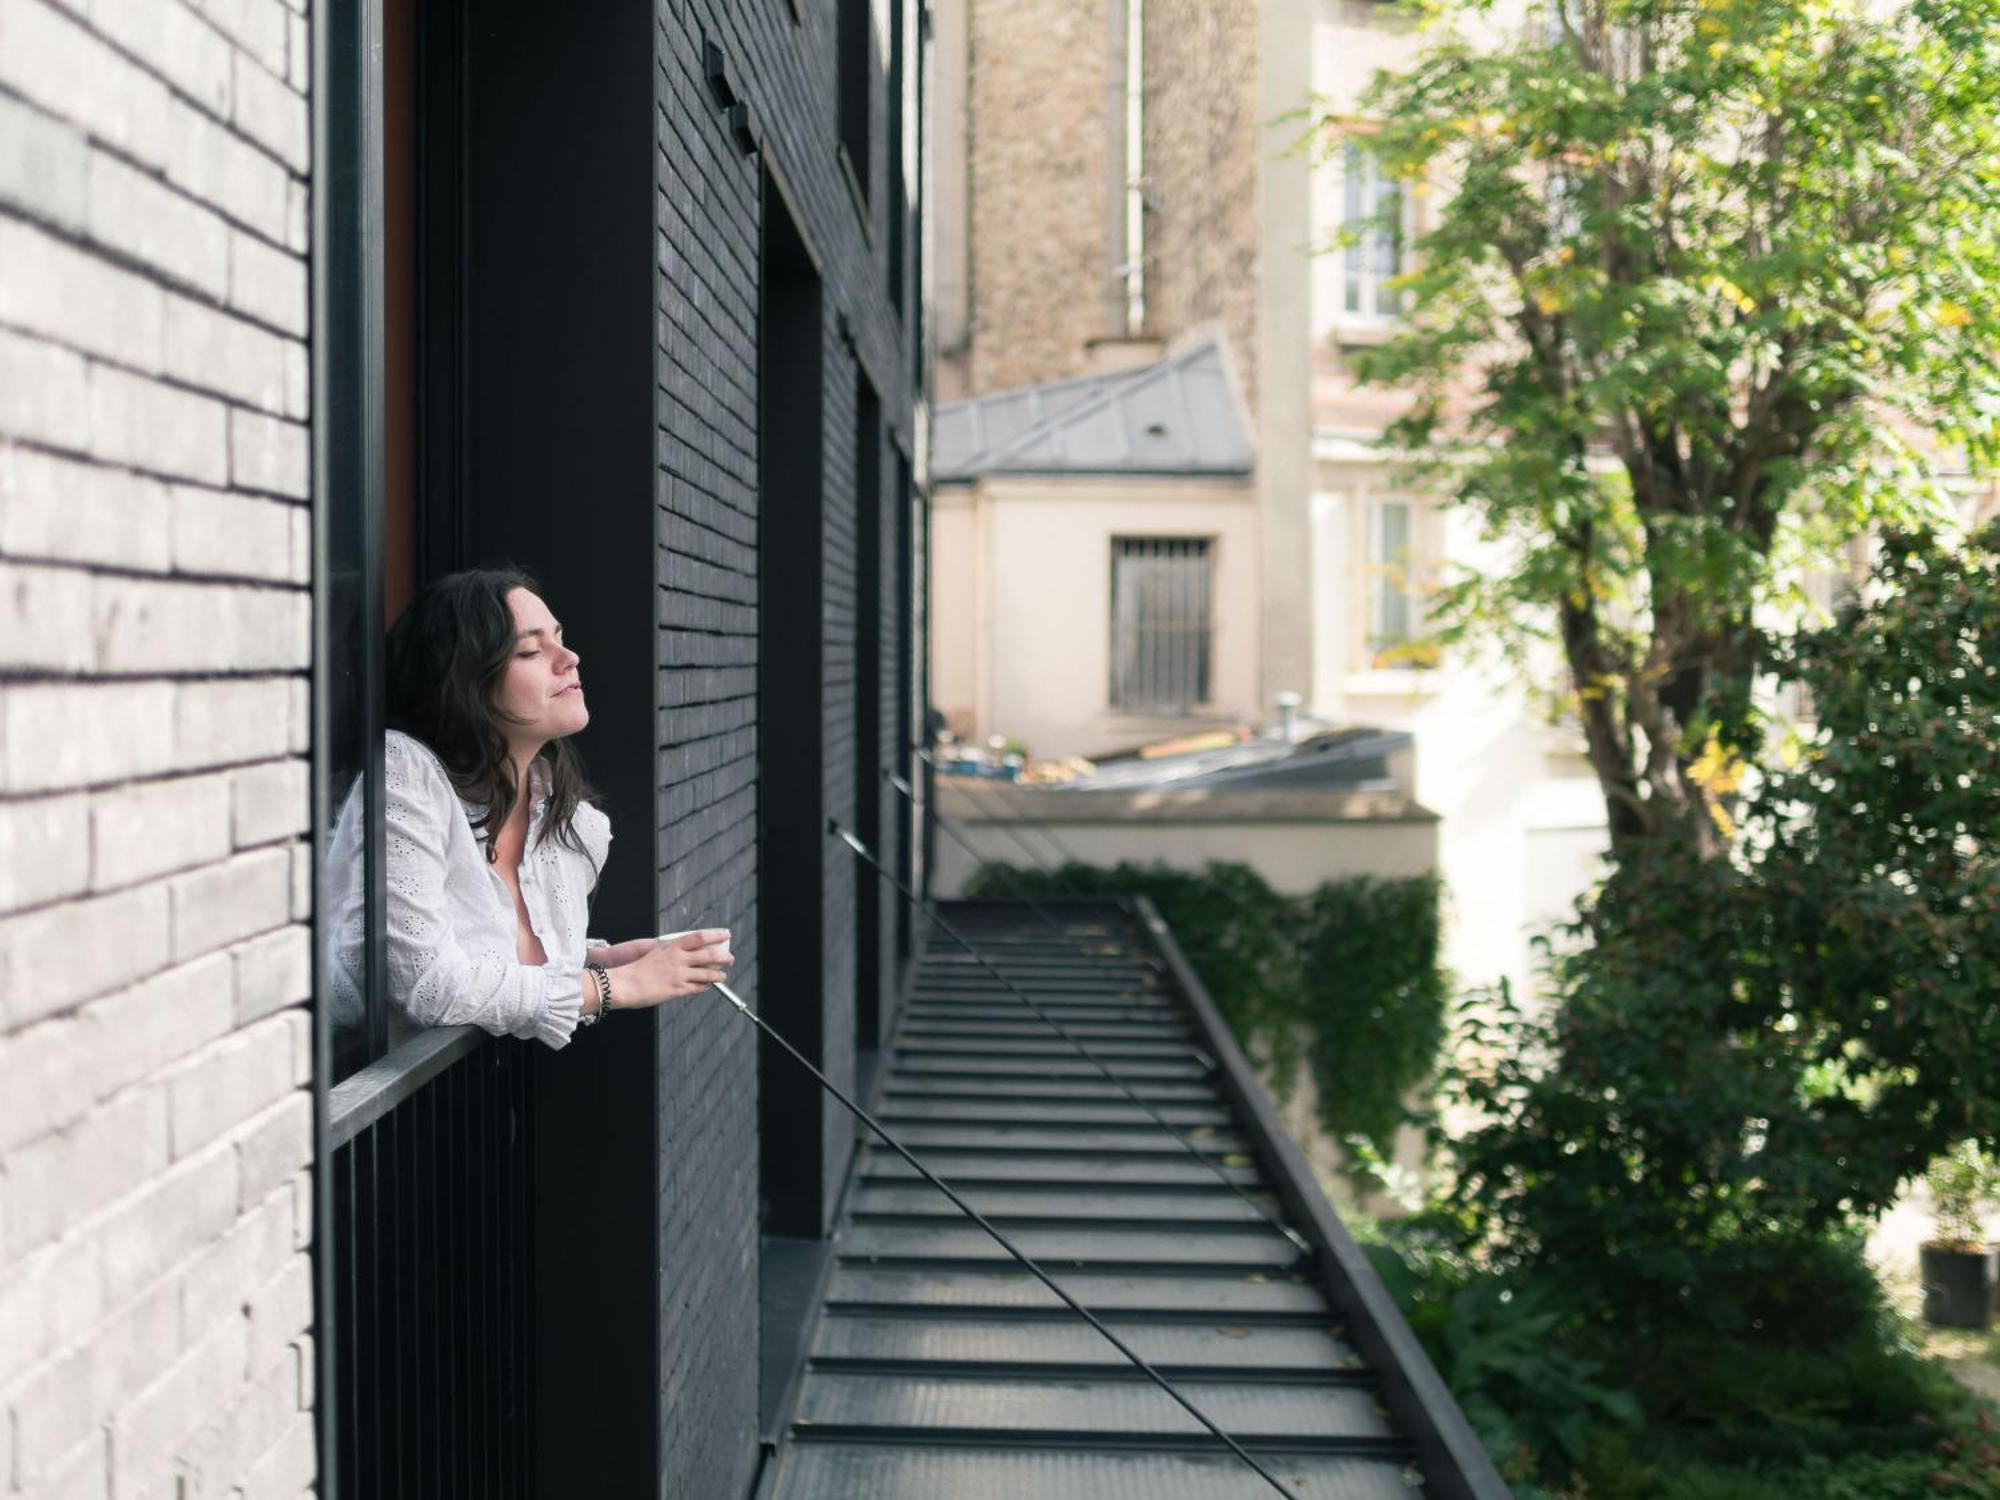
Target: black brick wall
{"x": 710, "y": 759}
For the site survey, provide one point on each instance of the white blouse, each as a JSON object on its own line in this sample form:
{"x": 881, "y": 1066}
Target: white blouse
{"x": 452, "y": 947}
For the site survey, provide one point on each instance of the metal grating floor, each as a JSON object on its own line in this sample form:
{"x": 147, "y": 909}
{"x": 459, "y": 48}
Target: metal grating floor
{"x": 941, "y": 1369}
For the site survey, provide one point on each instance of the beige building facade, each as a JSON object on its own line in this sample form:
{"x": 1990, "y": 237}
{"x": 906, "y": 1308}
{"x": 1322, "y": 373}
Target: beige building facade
{"x": 1323, "y": 552}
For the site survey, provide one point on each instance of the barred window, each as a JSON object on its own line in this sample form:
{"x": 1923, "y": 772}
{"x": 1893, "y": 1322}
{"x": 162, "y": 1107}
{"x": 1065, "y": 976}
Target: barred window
{"x": 1161, "y": 627}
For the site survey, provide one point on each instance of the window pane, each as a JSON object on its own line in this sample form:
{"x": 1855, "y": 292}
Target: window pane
{"x": 1390, "y": 613}
{"x": 1367, "y": 195}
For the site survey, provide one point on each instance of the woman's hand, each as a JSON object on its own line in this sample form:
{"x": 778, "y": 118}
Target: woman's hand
{"x": 682, "y": 964}
{"x": 617, "y": 955}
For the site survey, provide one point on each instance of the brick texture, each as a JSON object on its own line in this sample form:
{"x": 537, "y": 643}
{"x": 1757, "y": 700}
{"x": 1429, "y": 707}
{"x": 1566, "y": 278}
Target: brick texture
{"x": 1045, "y": 153}
{"x": 155, "y": 1285}
{"x": 711, "y": 759}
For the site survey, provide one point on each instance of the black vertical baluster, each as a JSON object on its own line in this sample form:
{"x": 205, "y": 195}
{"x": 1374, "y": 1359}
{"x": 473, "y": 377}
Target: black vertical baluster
{"x": 514, "y": 1414}
{"x": 417, "y": 1274}
{"x": 517, "y": 1413}
{"x": 395, "y": 1301}
{"x": 346, "y": 1356}
{"x": 524, "y": 1328}
{"x": 451, "y": 1251}
{"x": 482, "y": 1262}
{"x": 371, "y": 1368}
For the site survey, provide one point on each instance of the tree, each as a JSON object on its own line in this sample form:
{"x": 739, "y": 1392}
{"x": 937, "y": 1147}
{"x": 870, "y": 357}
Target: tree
{"x": 1723, "y": 277}
{"x": 1750, "y": 1052}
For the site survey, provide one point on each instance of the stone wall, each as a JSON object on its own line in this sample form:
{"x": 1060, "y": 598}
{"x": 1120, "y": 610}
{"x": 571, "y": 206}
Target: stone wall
{"x": 1044, "y": 135}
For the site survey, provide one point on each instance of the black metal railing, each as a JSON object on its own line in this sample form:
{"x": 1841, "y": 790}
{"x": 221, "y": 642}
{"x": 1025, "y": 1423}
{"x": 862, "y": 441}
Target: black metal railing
{"x": 432, "y": 1318}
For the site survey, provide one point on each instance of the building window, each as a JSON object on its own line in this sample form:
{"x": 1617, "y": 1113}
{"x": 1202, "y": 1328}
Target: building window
{"x": 1162, "y": 631}
{"x": 1371, "y": 207}
{"x": 1393, "y": 612}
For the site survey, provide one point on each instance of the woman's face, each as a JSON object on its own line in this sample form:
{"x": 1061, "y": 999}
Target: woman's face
{"x": 541, "y": 694}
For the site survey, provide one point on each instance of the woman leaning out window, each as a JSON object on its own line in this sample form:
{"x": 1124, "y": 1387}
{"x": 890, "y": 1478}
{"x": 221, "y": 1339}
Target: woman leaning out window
{"x": 493, "y": 843}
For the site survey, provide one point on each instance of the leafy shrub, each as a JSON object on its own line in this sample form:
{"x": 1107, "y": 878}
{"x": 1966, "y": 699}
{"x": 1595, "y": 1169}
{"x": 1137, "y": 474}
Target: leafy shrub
{"x": 1746, "y": 1053}
{"x": 1961, "y": 1183}
{"x": 1961, "y": 1464}
{"x": 1533, "y": 1402}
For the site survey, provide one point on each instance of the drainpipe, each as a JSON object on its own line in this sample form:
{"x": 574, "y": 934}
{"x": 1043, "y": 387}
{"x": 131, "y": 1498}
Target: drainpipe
{"x": 1135, "y": 167}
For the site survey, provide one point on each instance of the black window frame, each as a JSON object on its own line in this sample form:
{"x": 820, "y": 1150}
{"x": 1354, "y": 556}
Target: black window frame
{"x": 349, "y": 479}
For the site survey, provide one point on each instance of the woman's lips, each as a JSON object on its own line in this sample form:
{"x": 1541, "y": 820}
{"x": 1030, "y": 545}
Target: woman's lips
{"x": 574, "y": 687}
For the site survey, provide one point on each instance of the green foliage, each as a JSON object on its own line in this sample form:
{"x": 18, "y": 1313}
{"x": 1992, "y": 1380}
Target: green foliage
{"x": 1877, "y": 859}
{"x": 1743, "y": 1055}
{"x": 1342, "y": 984}
{"x": 1532, "y": 1401}
{"x": 1375, "y": 998}
{"x": 1961, "y": 1183}
{"x": 1961, "y": 1462}
{"x": 1576, "y": 1410}
{"x": 1703, "y": 267}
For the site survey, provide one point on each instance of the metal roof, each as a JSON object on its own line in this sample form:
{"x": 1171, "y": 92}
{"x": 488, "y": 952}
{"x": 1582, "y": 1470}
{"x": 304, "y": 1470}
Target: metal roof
{"x": 1337, "y": 759}
{"x": 939, "y": 1368}
{"x": 1182, "y": 415}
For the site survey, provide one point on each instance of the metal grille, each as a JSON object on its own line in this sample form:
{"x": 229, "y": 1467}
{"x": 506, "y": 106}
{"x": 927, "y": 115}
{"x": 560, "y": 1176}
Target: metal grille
{"x": 1161, "y": 626}
{"x": 432, "y": 1316}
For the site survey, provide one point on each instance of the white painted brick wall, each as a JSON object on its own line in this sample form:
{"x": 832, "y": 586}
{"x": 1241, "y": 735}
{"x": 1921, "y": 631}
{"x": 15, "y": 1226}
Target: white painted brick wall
{"x": 61, "y": 509}
{"x": 42, "y": 166}
{"x": 156, "y": 1118}
{"x": 271, "y": 801}
{"x": 150, "y": 828}
{"x": 139, "y": 215}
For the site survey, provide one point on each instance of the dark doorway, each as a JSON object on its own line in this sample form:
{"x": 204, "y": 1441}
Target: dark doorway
{"x": 905, "y": 647}
{"x": 868, "y": 666}
{"x": 791, "y": 675}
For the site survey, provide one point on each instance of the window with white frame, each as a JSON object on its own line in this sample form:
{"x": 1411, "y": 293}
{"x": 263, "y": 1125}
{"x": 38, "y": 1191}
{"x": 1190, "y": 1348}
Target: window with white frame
{"x": 1394, "y": 613}
{"x": 1371, "y": 205}
{"x": 1162, "y": 625}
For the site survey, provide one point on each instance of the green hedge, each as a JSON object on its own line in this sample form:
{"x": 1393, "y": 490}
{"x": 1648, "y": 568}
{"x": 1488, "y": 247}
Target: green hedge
{"x": 1342, "y": 984}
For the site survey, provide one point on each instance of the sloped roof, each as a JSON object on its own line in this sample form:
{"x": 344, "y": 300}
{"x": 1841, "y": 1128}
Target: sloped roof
{"x": 1338, "y": 759}
{"x": 1183, "y": 414}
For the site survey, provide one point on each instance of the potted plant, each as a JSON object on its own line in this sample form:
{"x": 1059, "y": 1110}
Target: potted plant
{"x": 1958, "y": 1265}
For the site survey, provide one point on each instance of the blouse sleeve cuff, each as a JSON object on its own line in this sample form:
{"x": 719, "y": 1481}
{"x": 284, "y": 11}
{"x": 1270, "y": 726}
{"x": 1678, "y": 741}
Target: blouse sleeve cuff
{"x": 562, "y": 1007}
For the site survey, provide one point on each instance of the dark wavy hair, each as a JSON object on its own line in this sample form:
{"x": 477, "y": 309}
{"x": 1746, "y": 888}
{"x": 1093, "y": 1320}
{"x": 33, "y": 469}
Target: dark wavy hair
{"x": 447, "y": 653}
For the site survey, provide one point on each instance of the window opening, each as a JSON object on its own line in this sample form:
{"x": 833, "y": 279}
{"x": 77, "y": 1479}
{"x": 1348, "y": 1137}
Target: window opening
{"x": 1161, "y": 627}
{"x": 1392, "y": 601}
{"x": 1372, "y": 203}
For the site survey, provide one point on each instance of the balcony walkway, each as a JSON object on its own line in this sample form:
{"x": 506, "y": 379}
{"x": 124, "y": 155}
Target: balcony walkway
{"x": 939, "y": 1368}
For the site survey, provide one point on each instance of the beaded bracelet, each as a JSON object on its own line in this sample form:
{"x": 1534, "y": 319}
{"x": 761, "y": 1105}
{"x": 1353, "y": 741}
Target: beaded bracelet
{"x": 603, "y": 980}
